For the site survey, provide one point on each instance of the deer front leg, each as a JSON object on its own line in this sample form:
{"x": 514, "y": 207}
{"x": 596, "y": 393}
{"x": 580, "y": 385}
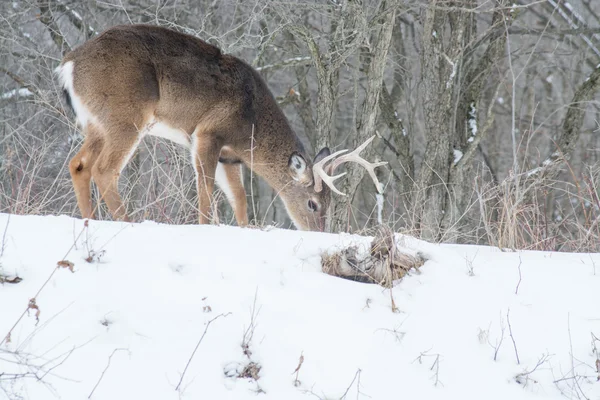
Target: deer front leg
{"x": 229, "y": 179}
{"x": 205, "y": 153}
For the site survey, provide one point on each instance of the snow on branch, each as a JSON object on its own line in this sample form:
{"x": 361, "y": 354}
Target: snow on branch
{"x": 77, "y": 20}
{"x": 22, "y": 92}
{"x": 286, "y": 63}
{"x": 573, "y": 22}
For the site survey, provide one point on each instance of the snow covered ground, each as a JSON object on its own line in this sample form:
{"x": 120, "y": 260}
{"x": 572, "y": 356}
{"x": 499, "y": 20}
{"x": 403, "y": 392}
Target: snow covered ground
{"x": 476, "y": 323}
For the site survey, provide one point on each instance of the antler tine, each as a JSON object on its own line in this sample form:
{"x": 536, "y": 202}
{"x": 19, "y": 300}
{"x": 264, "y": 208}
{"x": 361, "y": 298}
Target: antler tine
{"x": 354, "y": 156}
{"x": 321, "y": 176}
{"x": 328, "y": 180}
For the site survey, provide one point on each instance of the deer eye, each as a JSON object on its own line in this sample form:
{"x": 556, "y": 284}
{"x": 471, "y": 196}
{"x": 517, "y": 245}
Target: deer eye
{"x": 313, "y": 206}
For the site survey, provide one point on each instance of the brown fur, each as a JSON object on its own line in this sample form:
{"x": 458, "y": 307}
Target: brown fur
{"x": 130, "y": 75}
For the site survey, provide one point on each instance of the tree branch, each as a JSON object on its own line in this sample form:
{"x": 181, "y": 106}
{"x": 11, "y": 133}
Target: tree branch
{"x": 47, "y": 19}
{"x": 571, "y": 130}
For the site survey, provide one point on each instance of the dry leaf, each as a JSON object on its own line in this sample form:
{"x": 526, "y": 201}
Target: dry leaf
{"x": 300, "y": 361}
{"x": 66, "y": 264}
{"x": 33, "y": 306}
{"x": 16, "y": 279}
{"x": 251, "y": 371}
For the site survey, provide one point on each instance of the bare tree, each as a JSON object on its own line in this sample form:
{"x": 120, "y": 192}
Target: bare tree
{"x": 485, "y": 111}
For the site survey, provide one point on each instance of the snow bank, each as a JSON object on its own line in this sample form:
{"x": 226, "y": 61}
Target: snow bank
{"x": 124, "y": 327}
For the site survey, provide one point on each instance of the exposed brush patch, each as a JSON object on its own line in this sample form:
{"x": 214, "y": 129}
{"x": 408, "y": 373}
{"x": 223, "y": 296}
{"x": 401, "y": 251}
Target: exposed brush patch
{"x": 95, "y": 256}
{"x": 250, "y": 371}
{"x": 384, "y": 264}
{"x": 247, "y": 369}
{"x": 9, "y": 279}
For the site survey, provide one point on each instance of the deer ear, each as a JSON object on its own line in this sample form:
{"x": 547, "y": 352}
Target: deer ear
{"x": 298, "y": 169}
{"x": 322, "y": 154}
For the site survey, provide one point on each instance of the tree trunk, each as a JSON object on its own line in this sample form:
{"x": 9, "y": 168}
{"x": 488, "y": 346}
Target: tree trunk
{"x": 366, "y": 126}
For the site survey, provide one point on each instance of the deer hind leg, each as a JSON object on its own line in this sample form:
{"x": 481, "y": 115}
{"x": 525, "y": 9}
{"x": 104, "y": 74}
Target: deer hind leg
{"x": 205, "y": 156}
{"x": 118, "y": 148}
{"x": 229, "y": 178}
{"x": 80, "y": 168}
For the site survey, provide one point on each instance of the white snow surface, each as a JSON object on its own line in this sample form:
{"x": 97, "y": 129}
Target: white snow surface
{"x": 126, "y": 326}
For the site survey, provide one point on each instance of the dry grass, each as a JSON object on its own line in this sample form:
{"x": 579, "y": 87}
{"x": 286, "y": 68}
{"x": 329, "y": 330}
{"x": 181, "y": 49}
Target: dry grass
{"x": 384, "y": 264}
{"x": 158, "y": 184}
{"x": 251, "y": 371}
{"x": 548, "y": 215}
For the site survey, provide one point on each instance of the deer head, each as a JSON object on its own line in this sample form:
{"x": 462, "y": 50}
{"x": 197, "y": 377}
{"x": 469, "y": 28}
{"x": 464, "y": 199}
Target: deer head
{"x": 308, "y": 202}
{"x": 138, "y": 80}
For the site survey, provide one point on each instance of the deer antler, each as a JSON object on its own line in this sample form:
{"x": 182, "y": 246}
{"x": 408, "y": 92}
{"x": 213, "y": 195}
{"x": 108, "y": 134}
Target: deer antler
{"x": 322, "y": 177}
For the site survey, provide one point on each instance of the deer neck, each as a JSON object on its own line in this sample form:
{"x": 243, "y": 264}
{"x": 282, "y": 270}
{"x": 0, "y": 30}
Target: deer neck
{"x": 273, "y": 141}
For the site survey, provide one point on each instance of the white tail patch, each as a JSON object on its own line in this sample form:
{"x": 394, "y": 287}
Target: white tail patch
{"x": 65, "y": 76}
{"x": 160, "y": 129}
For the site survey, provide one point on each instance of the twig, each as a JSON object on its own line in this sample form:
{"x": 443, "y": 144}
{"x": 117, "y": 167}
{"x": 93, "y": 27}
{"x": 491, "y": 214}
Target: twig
{"x": 20, "y": 81}
{"x": 356, "y": 375}
{"x": 525, "y": 374}
{"x": 302, "y": 61}
{"x": 498, "y": 344}
{"x": 3, "y": 244}
{"x": 297, "y": 370}
{"x": 398, "y": 335}
{"x": 106, "y": 369}
{"x": 436, "y": 365}
{"x": 198, "y": 345}
{"x": 77, "y": 20}
{"x": 574, "y": 377}
{"x": 249, "y": 332}
{"x": 46, "y": 18}
{"x": 596, "y": 353}
{"x": 519, "y": 283}
{"x": 576, "y": 387}
{"x": 511, "y": 336}
{"x": 585, "y": 30}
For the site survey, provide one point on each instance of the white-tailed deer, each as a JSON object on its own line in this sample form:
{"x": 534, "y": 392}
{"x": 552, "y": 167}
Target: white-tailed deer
{"x": 139, "y": 80}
